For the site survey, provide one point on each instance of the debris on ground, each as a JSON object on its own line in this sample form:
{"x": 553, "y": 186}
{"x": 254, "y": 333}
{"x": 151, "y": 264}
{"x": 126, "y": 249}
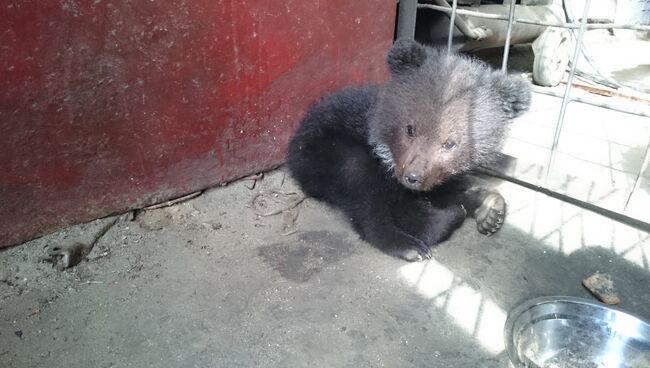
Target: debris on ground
{"x": 289, "y": 218}
{"x": 261, "y": 202}
{"x": 254, "y": 178}
{"x": 275, "y": 202}
{"x": 212, "y": 225}
{"x": 70, "y": 255}
{"x": 153, "y": 220}
{"x": 67, "y": 256}
{"x": 174, "y": 201}
{"x": 601, "y": 286}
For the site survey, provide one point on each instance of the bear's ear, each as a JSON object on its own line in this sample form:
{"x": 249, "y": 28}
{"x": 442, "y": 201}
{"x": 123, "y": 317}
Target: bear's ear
{"x": 406, "y": 55}
{"x": 515, "y": 93}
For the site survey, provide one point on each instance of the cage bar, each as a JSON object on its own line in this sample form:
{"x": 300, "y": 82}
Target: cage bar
{"x": 639, "y": 175}
{"x": 567, "y": 90}
{"x": 506, "y": 48}
{"x": 632, "y": 110}
{"x": 581, "y": 27}
{"x": 452, "y": 19}
{"x": 471, "y": 13}
{"x": 406, "y": 18}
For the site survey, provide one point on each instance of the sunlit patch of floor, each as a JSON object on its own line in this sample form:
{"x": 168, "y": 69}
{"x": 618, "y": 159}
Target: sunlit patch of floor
{"x": 480, "y": 317}
{"x": 557, "y": 227}
{"x": 565, "y": 228}
{"x": 599, "y": 154}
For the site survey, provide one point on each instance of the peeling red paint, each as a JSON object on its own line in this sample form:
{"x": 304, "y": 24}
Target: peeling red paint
{"x": 112, "y": 105}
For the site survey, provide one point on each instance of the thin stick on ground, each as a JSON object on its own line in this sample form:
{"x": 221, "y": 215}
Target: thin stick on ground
{"x": 287, "y": 207}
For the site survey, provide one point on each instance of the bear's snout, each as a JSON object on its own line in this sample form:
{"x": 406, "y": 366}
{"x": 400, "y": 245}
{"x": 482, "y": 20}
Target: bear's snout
{"x": 413, "y": 180}
{"x": 423, "y": 180}
{"x": 414, "y": 169}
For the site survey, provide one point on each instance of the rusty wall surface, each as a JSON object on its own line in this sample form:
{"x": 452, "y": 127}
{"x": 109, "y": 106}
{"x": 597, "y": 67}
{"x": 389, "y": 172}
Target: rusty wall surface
{"x": 111, "y": 105}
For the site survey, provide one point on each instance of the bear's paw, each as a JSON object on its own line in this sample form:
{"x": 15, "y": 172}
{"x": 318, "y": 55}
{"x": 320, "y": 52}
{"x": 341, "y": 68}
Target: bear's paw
{"x": 490, "y": 214}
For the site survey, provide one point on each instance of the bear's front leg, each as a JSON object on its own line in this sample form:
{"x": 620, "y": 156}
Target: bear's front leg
{"x": 402, "y": 245}
{"x": 380, "y": 232}
{"x": 418, "y": 217}
{"x": 485, "y": 205}
{"x": 442, "y": 222}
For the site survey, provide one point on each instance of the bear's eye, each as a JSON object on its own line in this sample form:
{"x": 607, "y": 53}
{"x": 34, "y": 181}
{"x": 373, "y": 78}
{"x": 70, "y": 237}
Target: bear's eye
{"x": 410, "y": 131}
{"x": 449, "y": 144}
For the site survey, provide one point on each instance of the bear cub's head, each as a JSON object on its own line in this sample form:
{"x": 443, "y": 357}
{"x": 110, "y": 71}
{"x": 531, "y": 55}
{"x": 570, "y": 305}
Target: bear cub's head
{"x": 441, "y": 115}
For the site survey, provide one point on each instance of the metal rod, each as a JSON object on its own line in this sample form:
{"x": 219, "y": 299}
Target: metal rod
{"x": 506, "y": 49}
{"x": 632, "y": 110}
{"x": 641, "y": 225}
{"x": 473, "y": 33}
{"x": 567, "y": 90}
{"x": 642, "y": 170}
{"x": 452, "y": 18}
{"x": 470, "y": 13}
{"x": 406, "y": 19}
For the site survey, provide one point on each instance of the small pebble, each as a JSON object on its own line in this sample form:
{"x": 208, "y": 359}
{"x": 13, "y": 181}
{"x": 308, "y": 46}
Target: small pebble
{"x": 602, "y": 287}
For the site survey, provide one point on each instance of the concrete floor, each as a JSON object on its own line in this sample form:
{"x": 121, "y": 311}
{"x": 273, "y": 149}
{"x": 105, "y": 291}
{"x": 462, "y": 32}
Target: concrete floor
{"x": 208, "y": 283}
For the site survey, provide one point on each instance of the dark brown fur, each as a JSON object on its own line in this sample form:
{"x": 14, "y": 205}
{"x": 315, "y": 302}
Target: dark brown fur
{"x": 394, "y": 157}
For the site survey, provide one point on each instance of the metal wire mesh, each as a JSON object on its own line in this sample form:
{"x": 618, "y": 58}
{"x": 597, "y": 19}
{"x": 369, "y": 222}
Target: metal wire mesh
{"x": 581, "y": 27}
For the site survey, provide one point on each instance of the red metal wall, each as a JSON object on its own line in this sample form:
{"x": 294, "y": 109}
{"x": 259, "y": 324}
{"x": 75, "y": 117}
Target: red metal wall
{"x": 107, "y": 105}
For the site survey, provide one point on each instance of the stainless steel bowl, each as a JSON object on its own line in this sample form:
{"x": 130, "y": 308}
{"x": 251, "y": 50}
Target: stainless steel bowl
{"x": 567, "y": 332}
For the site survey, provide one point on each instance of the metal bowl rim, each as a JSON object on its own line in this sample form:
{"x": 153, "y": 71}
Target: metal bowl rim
{"x": 514, "y": 314}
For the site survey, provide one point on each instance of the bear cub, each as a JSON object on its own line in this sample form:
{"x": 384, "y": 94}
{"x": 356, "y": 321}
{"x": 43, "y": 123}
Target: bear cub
{"x": 395, "y": 157}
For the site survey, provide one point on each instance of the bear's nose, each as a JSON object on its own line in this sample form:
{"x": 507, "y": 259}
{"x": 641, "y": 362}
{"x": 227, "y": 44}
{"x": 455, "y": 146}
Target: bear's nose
{"x": 412, "y": 178}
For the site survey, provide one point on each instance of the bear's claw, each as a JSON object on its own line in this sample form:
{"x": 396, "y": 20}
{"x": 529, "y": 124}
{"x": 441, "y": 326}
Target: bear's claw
{"x": 417, "y": 251}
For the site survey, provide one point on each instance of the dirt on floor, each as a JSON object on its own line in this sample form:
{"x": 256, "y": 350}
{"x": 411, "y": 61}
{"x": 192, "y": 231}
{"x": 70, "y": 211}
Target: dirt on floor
{"x": 214, "y": 282}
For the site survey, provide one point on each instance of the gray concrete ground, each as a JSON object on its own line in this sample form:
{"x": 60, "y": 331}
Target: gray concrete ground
{"x": 208, "y": 283}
